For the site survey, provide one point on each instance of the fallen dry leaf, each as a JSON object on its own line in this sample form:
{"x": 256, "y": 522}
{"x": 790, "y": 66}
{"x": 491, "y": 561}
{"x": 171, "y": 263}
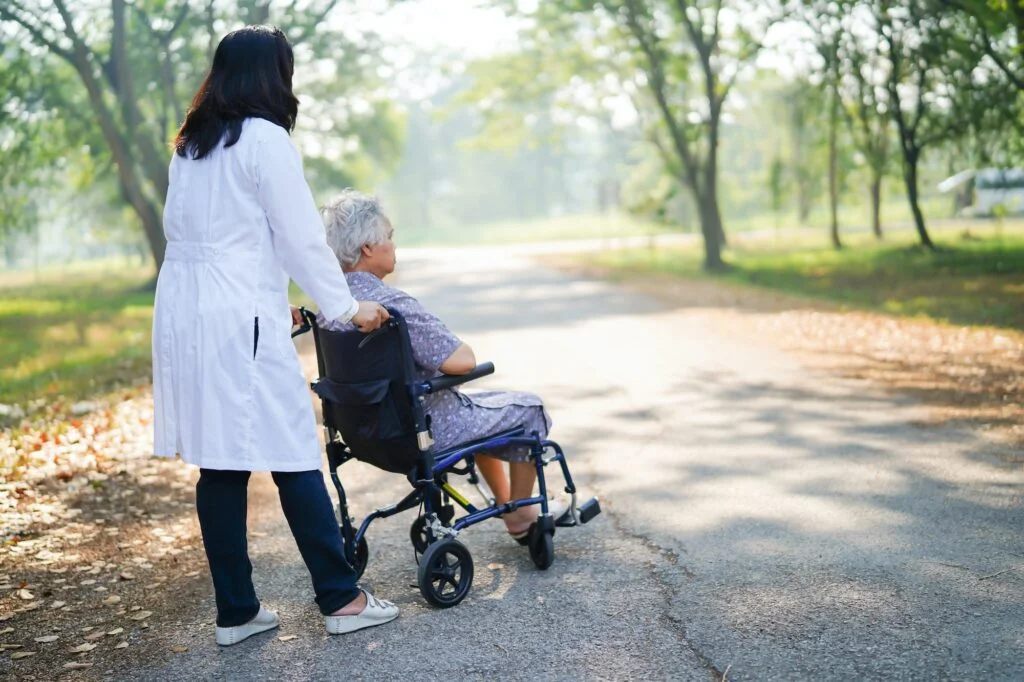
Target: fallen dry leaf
{"x": 22, "y": 654}
{"x": 77, "y": 666}
{"x": 287, "y": 638}
{"x": 47, "y": 639}
{"x": 82, "y": 648}
{"x": 127, "y": 576}
{"x": 5, "y": 647}
{"x": 141, "y": 615}
{"x": 122, "y": 645}
{"x": 93, "y": 637}
{"x": 6, "y": 631}
{"x": 178, "y": 649}
{"x": 25, "y": 594}
{"x": 116, "y": 631}
{"x": 112, "y": 599}
{"x": 57, "y": 605}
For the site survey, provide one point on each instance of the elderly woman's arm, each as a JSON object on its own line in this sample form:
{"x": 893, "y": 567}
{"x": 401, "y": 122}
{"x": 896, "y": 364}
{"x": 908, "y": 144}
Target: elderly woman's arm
{"x": 462, "y": 361}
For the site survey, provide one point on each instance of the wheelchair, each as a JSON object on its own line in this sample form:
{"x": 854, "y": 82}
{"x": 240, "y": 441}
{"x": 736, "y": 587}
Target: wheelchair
{"x": 373, "y": 411}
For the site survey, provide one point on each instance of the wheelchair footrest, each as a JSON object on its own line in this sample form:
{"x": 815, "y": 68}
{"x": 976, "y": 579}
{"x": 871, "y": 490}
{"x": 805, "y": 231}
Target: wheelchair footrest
{"x": 585, "y": 511}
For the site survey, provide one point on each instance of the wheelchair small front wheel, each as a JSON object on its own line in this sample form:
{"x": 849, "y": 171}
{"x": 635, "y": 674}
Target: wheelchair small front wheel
{"x": 445, "y": 573}
{"x": 361, "y": 558}
{"x": 542, "y": 547}
{"x": 419, "y": 536}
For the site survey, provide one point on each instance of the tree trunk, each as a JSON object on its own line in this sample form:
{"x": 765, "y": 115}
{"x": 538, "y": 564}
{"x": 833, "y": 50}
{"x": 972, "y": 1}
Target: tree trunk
{"x": 123, "y": 161}
{"x": 803, "y": 198}
{"x": 910, "y": 176}
{"x": 833, "y": 169}
{"x": 876, "y": 204}
{"x": 710, "y": 227}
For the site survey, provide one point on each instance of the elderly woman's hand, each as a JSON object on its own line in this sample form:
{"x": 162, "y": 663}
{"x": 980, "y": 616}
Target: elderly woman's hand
{"x": 370, "y": 316}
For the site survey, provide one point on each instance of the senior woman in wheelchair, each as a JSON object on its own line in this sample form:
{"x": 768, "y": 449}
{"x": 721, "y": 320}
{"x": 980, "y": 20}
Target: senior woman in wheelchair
{"x": 360, "y": 234}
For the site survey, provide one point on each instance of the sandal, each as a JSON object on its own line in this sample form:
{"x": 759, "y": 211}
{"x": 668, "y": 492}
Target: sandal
{"x": 557, "y": 508}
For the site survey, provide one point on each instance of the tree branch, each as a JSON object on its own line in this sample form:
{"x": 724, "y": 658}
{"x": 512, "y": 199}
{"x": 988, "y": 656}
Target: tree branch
{"x": 314, "y": 23}
{"x": 656, "y": 83}
{"x": 34, "y": 30}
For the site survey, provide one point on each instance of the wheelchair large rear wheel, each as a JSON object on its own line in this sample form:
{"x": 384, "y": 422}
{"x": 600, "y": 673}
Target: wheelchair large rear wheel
{"x": 445, "y": 573}
{"x": 361, "y": 558}
{"x": 419, "y": 536}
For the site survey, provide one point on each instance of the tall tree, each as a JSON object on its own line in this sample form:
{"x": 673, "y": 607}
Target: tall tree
{"x": 691, "y": 63}
{"x": 865, "y": 76}
{"x": 934, "y": 87}
{"x": 138, "y": 62}
{"x": 998, "y": 32}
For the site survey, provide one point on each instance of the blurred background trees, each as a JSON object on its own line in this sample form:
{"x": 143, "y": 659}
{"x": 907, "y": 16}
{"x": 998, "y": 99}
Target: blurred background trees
{"x": 707, "y": 116}
{"x": 115, "y": 78}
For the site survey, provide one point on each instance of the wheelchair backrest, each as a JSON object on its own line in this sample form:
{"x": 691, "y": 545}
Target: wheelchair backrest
{"x": 365, "y": 384}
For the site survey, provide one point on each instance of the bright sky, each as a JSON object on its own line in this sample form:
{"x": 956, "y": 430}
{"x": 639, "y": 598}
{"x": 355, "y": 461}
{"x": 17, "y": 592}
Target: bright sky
{"x": 466, "y": 26}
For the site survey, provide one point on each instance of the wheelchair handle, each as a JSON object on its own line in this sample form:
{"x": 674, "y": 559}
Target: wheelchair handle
{"x": 308, "y": 320}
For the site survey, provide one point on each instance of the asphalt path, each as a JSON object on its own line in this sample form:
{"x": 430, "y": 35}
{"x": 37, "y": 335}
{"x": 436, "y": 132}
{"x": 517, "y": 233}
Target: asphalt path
{"x": 762, "y": 520}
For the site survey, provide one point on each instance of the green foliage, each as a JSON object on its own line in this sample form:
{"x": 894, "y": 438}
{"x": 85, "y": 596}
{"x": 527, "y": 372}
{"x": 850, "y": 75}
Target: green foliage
{"x": 968, "y": 281}
{"x": 119, "y": 77}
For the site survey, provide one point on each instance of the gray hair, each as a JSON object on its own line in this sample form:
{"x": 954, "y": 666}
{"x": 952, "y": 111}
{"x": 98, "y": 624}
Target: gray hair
{"x": 353, "y": 219}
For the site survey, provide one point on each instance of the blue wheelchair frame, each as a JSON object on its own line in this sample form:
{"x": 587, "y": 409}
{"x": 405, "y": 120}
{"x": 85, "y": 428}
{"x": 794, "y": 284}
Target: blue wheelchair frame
{"x": 431, "y": 488}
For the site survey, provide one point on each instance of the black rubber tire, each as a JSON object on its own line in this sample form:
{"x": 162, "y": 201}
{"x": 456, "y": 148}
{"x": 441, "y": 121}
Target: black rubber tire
{"x": 446, "y": 573}
{"x": 362, "y": 557}
{"x": 542, "y": 548}
{"x": 418, "y": 535}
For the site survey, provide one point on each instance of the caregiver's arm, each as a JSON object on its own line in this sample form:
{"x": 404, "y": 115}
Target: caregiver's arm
{"x": 298, "y": 234}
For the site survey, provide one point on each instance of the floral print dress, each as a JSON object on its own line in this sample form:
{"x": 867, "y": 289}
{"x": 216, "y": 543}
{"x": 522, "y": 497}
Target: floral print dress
{"x": 456, "y": 417}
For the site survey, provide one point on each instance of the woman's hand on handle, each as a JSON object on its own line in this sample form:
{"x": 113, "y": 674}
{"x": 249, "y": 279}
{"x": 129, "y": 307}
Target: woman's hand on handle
{"x": 370, "y": 316}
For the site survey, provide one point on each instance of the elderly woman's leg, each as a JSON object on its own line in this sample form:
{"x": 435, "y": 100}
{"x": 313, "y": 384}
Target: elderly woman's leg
{"x": 493, "y": 471}
{"x": 523, "y": 477}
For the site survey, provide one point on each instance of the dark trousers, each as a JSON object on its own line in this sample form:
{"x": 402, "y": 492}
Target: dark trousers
{"x": 221, "y": 505}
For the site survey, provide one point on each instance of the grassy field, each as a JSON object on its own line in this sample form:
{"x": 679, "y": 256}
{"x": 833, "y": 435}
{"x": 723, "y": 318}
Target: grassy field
{"x": 974, "y": 279}
{"x": 73, "y": 332}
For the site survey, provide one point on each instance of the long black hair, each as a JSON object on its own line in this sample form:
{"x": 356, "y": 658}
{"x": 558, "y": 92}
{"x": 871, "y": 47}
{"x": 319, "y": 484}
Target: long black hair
{"x": 251, "y": 77}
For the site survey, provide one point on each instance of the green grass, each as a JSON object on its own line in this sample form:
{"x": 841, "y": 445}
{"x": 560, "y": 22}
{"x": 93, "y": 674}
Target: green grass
{"x": 73, "y": 334}
{"x": 969, "y": 281}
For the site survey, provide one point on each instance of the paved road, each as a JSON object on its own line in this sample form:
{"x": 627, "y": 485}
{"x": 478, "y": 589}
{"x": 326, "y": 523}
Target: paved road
{"x": 761, "y": 519}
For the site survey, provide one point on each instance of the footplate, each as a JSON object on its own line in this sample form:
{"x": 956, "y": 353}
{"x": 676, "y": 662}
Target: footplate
{"x": 584, "y": 512}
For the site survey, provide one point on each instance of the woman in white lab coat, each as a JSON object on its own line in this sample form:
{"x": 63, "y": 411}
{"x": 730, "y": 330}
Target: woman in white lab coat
{"x": 229, "y": 393}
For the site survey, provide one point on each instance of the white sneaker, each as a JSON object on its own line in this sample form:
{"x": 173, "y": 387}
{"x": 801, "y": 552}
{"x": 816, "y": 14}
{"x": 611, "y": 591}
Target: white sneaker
{"x": 376, "y": 612}
{"x": 263, "y": 621}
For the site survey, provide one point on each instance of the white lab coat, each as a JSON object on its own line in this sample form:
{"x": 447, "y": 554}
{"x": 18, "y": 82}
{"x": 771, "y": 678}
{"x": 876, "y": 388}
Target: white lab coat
{"x": 239, "y": 223}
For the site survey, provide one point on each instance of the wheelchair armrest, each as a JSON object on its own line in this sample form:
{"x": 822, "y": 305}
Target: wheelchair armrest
{"x": 450, "y": 380}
